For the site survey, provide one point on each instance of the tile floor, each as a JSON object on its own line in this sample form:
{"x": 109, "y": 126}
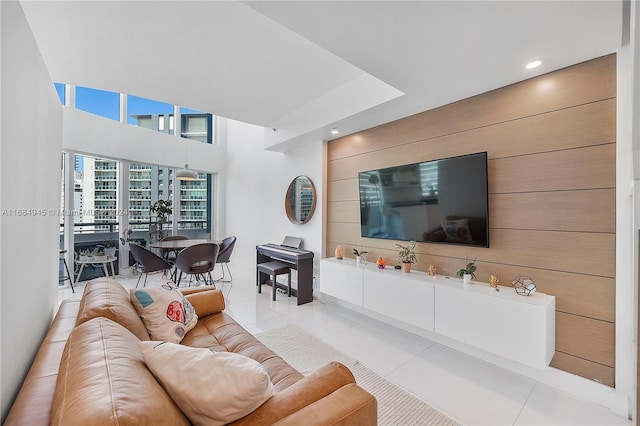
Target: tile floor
{"x": 468, "y": 390}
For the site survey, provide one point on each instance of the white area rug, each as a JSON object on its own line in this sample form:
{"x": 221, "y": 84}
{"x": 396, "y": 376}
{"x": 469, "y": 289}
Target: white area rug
{"x": 307, "y": 353}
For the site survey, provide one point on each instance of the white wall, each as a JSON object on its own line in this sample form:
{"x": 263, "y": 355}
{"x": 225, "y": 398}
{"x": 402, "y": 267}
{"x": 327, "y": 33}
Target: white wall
{"x": 30, "y": 179}
{"x": 256, "y": 183}
{"x": 91, "y": 134}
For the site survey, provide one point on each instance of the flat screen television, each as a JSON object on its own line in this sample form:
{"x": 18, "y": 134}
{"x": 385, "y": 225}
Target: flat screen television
{"x": 440, "y": 201}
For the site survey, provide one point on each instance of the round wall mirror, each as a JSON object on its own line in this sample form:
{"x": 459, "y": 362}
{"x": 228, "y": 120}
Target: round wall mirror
{"x": 300, "y": 201}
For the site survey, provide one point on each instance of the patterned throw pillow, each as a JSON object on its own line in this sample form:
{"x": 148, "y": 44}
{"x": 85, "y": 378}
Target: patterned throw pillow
{"x": 166, "y": 313}
{"x": 211, "y": 388}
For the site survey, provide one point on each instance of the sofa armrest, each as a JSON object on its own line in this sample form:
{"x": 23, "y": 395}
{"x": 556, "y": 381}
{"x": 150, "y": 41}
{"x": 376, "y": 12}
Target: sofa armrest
{"x": 349, "y": 405}
{"x": 206, "y": 302}
{"x": 304, "y": 392}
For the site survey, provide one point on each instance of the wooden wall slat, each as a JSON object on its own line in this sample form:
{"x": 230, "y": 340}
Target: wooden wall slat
{"x": 582, "y": 367}
{"x": 586, "y": 338}
{"x": 343, "y": 211}
{"x": 551, "y": 148}
{"x": 550, "y": 92}
{"x": 343, "y": 190}
{"x": 580, "y": 168}
{"x": 579, "y": 252}
{"x": 586, "y": 210}
{"x": 580, "y": 126}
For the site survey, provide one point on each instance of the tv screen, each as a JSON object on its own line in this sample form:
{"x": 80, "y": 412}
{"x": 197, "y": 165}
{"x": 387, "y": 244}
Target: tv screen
{"x": 440, "y": 201}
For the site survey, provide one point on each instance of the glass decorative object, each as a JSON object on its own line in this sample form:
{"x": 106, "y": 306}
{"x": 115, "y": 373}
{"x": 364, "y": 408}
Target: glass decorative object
{"x": 524, "y": 286}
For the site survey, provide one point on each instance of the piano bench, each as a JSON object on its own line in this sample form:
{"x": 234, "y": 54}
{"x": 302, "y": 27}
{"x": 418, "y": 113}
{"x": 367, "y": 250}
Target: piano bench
{"x": 273, "y": 269}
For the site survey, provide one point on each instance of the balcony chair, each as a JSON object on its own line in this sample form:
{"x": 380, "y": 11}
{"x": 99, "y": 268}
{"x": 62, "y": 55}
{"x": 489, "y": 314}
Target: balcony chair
{"x": 198, "y": 260}
{"x": 147, "y": 261}
{"x": 69, "y": 277}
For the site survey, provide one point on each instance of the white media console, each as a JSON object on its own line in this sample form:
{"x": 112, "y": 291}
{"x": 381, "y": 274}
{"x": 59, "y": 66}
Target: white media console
{"x": 518, "y": 328}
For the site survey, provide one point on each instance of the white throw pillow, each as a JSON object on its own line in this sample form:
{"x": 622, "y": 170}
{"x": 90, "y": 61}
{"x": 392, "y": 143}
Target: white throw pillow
{"x": 166, "y": 313}
{"x": 211, "y": 388}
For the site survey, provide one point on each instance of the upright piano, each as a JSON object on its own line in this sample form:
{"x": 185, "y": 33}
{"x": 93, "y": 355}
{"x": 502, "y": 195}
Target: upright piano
{"x": 299, "y": 259}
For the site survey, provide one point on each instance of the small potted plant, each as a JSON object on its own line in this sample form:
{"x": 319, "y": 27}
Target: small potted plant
{"x": 468, "y": 272}
{"x": 99, "y": 255}
{"x": 359, "y": 254}
{"x": 406, "y": 255}
{"x": 162, "y": 209}
{"x": 83, "y": 255}
{"x": 126, "y": 236}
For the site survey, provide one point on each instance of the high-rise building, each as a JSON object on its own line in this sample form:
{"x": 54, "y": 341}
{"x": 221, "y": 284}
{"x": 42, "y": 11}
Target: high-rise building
{"x": 147, "y": 183}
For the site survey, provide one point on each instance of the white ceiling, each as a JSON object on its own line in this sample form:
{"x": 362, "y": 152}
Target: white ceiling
{"x": 303, "y": 67}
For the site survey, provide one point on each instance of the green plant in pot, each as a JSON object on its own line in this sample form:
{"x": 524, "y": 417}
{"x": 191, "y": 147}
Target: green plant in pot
{"x": 162, "y": 209}
{"x": 359, "y": 254}
{"x": 406, "y": 255}
{"x": 468, "y": 272}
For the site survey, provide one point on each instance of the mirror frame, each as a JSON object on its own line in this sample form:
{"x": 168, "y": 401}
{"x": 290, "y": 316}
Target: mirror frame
{"x": 287, "y": 205}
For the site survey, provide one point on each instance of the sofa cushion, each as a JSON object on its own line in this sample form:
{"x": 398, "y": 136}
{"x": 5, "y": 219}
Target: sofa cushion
{"x": 211, "y": 388}
{"x": 205, "y": 302}
{"x": 103, "y": 380}
{"x": 166, "y": 313}
{"x": 108, "y": 298}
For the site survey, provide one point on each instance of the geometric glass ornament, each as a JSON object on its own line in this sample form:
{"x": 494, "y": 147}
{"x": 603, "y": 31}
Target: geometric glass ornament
{"x": 524, "y": 286}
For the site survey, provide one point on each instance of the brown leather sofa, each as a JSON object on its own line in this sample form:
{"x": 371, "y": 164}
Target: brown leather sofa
{"x": 89, "y": 370}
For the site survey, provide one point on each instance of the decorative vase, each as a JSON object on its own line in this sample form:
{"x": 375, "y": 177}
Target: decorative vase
{"x": 339, "y": 252}
{"x": 466, "y": 280}
{"x": 406, "y": 267}
{"x": 358, "y": 259}
{"x": 381, "y": 263}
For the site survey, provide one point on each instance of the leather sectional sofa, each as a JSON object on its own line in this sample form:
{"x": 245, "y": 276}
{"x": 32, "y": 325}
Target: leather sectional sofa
{"x": 89, "y": 370}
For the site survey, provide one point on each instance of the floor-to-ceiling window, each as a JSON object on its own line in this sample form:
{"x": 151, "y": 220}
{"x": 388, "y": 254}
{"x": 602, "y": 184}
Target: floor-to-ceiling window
{"x": 97, "y": 182}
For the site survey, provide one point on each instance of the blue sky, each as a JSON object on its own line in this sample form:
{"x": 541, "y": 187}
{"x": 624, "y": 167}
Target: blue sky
{"x": 107, "y": 104}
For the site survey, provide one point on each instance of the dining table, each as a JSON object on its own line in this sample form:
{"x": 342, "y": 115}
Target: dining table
{"x": 181, "y": 244}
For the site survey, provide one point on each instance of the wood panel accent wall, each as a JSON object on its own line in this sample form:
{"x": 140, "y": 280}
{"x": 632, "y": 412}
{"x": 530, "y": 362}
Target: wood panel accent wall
{"x": 551, "y": 162}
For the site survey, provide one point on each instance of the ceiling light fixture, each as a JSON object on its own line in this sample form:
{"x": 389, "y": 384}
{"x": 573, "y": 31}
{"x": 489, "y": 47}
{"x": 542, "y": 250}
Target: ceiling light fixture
{"x": 533, "y": 64}
{"x": 335, "y": 131}
{"x": 186, "y": 173}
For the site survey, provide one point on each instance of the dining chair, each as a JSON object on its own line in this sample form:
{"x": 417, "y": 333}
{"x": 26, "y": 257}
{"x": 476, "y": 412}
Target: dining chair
{"x": 197, "y": 260}
{"x": 224, "y": 256}
{"x": 171, "y": 254}
{"x": 147, "y": 261}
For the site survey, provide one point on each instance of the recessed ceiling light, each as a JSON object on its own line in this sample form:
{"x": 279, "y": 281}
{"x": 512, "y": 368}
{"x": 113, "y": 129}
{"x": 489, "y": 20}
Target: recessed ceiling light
{"x": 335, "y": 131}
{"x": 533, "y": 64}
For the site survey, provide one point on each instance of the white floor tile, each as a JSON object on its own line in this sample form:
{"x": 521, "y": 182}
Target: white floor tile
{"x": 548, "y": 406}
{"x": 472, "y": 390}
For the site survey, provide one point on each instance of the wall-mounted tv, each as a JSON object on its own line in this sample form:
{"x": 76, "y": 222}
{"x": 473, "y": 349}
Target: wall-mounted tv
{"x": 439, "y": 201}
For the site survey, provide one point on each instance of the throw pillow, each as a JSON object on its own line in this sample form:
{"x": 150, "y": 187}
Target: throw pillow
{"x": 166, "y": 313}
{"x": 457, "y": 230}
{"x": 211, "y": 388}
